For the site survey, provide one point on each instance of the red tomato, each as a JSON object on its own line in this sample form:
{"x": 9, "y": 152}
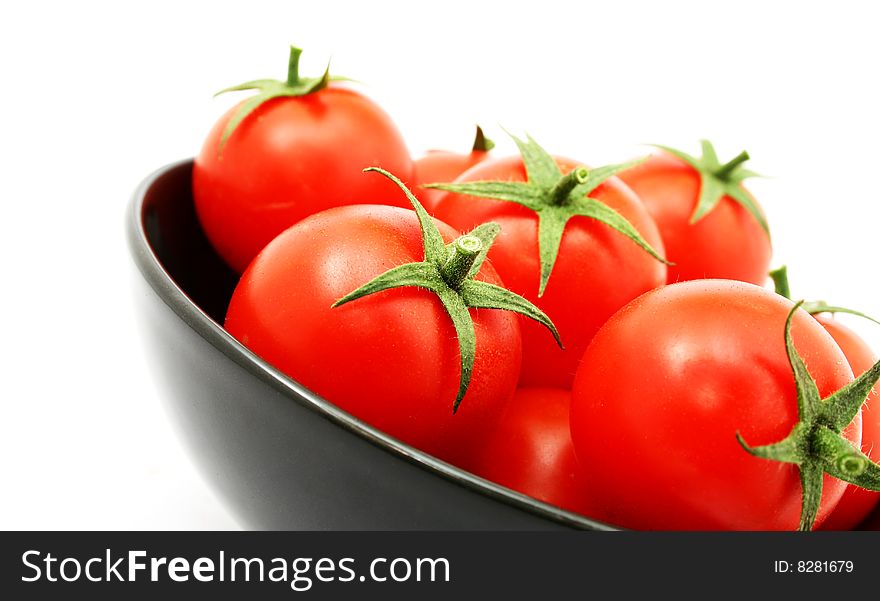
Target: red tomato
{"x": 856, "y": 502}
{"x": 665, "y": 387}
{"x": 596, "y": 272}
{"x": 445, "y": 166}
{"x": 727, "y": 243}
{"x": 390, "y": 358}
{"x": 531, "y": 452}
{"x": 289, "y": 158}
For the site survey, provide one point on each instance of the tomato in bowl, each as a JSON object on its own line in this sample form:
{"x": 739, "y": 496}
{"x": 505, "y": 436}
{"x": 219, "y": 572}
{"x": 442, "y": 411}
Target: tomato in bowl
{"x": 278, "y": 454}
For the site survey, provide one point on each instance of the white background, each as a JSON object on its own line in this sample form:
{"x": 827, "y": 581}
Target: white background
{"x": 96, "y": 95}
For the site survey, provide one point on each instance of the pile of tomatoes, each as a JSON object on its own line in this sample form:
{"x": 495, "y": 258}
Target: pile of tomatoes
{"x": 597, "y": 338}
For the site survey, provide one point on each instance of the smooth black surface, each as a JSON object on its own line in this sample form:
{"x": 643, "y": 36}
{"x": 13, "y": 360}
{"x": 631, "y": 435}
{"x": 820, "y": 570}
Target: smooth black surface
{"x": 476, "y": 565}
{"x": 280, "y": 456}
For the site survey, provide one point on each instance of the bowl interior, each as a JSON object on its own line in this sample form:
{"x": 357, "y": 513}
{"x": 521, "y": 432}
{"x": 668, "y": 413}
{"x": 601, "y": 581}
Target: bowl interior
{"x": 175, "y": 236}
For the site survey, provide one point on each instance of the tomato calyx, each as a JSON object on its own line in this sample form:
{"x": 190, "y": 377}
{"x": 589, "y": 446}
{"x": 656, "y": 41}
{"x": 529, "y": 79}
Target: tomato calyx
{"x": 718, "y": 180}
{"x": 816, "y": 444}
{"x": 780, "y": 283}
{"x": 555, "y": 198}
{"x": 560, "y": 193}
{"x": 294, "y": 85}
{"x": 448, "y": 271}
{"x": 481, "y": 142}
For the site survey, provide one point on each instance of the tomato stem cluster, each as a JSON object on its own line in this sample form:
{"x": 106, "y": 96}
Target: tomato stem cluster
{"x": 560, "y": 194}
{"x": 719, "y": 180}
{"x": 481, "y": 142}
{"x": 729, "y": 167}
{"x": 293, "y": 66}
{"x": 268, "y": 89}
{"x": 555, "y": 198}
{"x": 448, "y": 271}
{"x": 780, "y": 281}
{"x": 465, "y": 251}
{"x": 781, "y": 285}
{"x": 816, "y": 444}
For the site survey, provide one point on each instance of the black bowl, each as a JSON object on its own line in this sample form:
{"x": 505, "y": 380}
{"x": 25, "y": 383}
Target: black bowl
{"x": 281, "y": 456}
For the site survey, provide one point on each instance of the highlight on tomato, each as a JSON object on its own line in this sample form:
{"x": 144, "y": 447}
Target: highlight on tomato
{"x": 712, "y": 226}
{"x": 693, "y": 409}
{"x": 575, "y": 241}
{"x": 295, "y": 148}
{"x": 392, "y": 316}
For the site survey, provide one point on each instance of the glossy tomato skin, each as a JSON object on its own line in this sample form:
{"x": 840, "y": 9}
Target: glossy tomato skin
{"x": 856, "y": 502}
{"x": 665, "y": 386}
{"x": 290, "y": 158}
{"x": 530, "y": 451}
{"x": 390, "y": 358}
{"x": 597, "y": 270}
{"x": 440, "y": 166}
{"x": 726, "y": 243}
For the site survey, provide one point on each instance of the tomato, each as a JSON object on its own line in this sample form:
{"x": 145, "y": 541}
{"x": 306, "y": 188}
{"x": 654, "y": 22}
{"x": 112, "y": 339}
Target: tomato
{"x": 597, "y": 270}
{"x": 369, "y": 307}
{"x": 290, "y": 157}
{"x": 445, "y": 166}
{"x": 669, "y": 382}
{"x": 856, "y": 502}
{"x": 390, "y": 359}
{"x": 530, "y": 451}
{"x": 730, "y": 241}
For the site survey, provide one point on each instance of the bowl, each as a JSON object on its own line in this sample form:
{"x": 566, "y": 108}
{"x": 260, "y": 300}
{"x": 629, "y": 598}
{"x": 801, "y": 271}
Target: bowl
{"x": 279, "y": 455}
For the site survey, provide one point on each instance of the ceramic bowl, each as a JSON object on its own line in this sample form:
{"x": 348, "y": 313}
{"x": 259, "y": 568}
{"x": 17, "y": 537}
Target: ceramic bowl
{"x": 278, "y": 454}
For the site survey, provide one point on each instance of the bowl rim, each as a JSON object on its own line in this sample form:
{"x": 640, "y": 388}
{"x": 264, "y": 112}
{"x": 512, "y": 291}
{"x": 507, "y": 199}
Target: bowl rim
{"x": 192, "y": 315}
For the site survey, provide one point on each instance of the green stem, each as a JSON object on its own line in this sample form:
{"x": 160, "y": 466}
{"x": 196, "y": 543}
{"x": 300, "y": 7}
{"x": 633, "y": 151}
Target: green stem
{"x": 835, "y": 451}
{"x": 780, "y": 281}
{"x": 726, "y": 169}
{"x": 559, "y": 194}
{"x": 293, "y": 66}
{"x": 481, "y": 142}
{"x": 455, "y": 271}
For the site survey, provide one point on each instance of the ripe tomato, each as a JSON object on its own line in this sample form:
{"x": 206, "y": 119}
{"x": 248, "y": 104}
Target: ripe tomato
{"x": 727, "y": 242}
{"x": 390, "y": 358}
{"x": 290, "y": 157}
{"x": 856, "y": 502}
{"x": 445, "y": 166}
{"x": 530, "y": 451}
{"x": 665, "y": 387}
{"x": 597, "y": 270}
